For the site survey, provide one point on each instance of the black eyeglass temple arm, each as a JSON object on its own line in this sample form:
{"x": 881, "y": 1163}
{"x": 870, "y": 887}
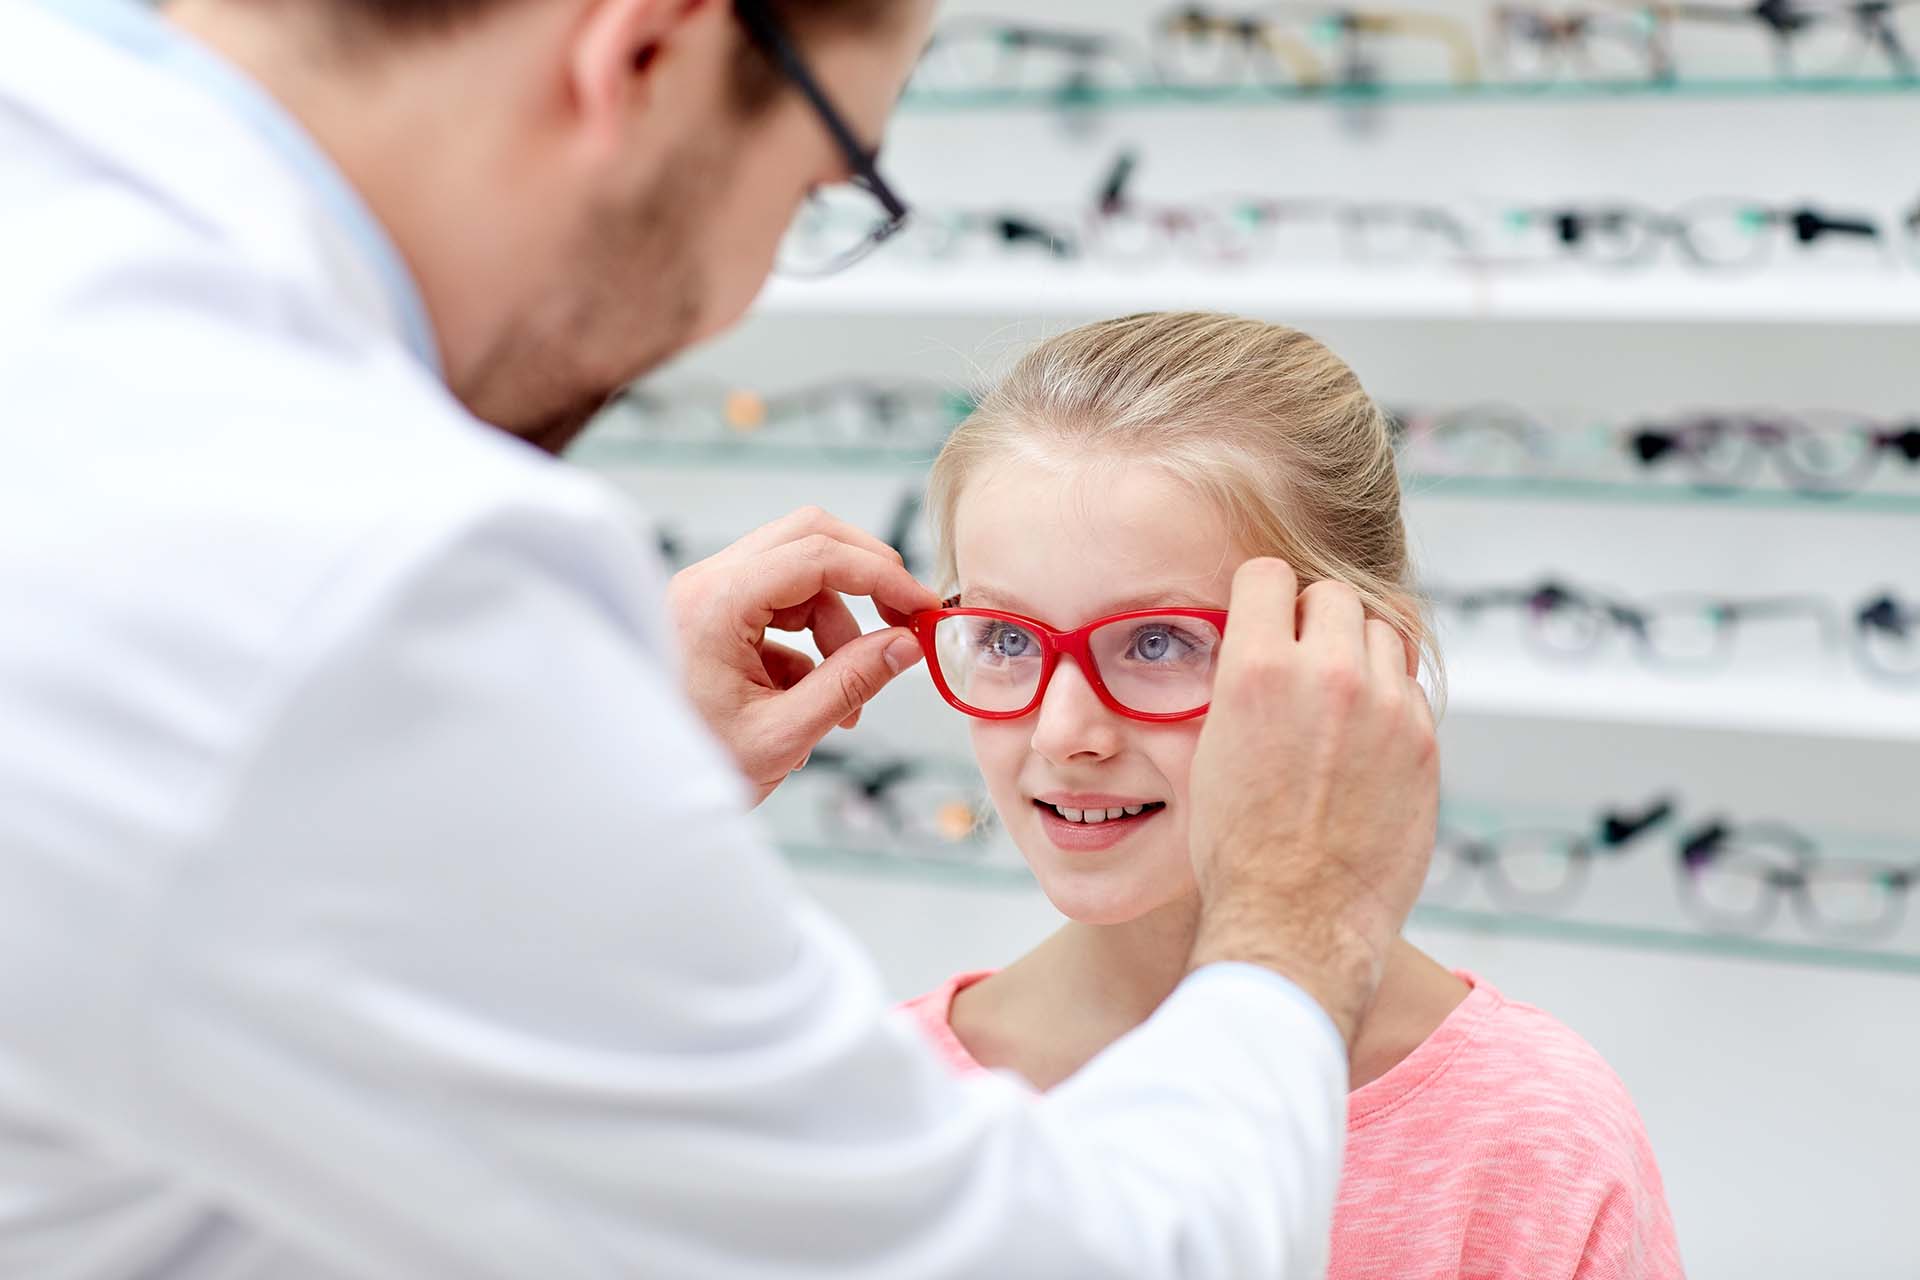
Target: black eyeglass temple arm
{"x": 766, "y": 32}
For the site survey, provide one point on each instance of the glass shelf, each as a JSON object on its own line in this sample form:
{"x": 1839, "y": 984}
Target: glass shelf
{"x": 1675, "y": 941}
{"x": 1001, "y": 287}
{"x": 1153, "y": 96}
{"x": 1571, "y": 489}
{"x": 991, "y": 875}
{"x": 891, "y": 866}
{"x": 759, "y": 455}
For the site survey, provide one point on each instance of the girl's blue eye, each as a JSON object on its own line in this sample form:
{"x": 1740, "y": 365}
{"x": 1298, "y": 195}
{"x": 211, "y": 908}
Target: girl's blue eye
{"x": 1004, "y": 640}
{"x": 1159, "y": 644}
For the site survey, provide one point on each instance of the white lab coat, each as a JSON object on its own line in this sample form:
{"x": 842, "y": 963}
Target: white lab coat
{"x": 370, "y": 902}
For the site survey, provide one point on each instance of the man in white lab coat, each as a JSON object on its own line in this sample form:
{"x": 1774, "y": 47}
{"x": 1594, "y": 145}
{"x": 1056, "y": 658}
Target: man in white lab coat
{"x": 374, "y": 899}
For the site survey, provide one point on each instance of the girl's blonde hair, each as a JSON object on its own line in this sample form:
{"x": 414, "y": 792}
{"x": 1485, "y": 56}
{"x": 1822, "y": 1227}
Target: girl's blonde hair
{"x": 1259, "y": 419}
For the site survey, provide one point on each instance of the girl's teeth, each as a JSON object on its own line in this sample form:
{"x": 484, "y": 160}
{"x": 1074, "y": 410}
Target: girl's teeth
{"x": 1087, "y": 817}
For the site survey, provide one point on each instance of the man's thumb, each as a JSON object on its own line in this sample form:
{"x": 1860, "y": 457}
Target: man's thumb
{"x": 848, "y": 680}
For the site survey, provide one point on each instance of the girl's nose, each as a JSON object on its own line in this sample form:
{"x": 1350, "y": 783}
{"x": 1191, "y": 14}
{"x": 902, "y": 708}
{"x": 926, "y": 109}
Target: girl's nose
{"x": 1072, "y": 723}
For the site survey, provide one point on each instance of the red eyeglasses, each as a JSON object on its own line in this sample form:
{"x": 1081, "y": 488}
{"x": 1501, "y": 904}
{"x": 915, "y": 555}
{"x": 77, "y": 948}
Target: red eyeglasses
{"x": 1148, "y": 664}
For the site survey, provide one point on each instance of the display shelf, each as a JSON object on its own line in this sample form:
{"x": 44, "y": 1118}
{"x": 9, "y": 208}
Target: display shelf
{"x": 1155, "y": 96}
{"x": 609, "y": 449}
{"x": 1614, "y": 689}
{"x": 1677, "y": 941}
{"x": 988, "y": 875}
{"x": 1030, "y": 289}
{"x": 982, "y": 871}
{"x": 1425, "y": 485}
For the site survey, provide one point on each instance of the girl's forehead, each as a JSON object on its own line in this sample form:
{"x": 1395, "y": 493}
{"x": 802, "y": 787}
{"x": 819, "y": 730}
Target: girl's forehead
{"x": 1065, "y": 538}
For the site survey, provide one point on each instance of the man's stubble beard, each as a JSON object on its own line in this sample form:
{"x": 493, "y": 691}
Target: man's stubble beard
{"x": 634, "y": 302}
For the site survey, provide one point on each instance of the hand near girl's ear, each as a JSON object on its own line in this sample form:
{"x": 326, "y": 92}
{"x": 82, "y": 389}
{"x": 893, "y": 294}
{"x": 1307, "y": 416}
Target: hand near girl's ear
{"x": 1314, "y": 878}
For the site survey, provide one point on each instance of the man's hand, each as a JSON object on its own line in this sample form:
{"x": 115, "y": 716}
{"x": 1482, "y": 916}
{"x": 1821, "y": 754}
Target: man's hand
{"x": 770, "y": 704}
{"x": 1315, "y": 790}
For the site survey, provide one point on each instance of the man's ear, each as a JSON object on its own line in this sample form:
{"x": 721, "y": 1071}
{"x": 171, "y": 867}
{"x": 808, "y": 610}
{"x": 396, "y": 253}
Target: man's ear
{"x": 617, "y": 49}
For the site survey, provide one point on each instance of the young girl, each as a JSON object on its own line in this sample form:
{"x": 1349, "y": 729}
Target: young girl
{"x": 1090, "y": 516}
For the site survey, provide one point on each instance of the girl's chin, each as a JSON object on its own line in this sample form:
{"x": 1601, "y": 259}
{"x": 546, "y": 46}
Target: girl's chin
{"x": 1106, "y": 895}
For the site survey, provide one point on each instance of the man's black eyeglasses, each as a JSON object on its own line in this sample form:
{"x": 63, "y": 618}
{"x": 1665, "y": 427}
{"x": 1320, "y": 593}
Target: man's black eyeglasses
{"x": 831, "y": 237}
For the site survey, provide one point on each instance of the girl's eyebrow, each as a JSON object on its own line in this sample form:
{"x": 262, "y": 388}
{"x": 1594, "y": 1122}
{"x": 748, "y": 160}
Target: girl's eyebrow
{"x": 987, "y": 598}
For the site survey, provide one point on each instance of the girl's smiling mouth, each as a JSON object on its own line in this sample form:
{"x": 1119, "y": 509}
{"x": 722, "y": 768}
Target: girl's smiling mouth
{"x": 1087, "y": 826}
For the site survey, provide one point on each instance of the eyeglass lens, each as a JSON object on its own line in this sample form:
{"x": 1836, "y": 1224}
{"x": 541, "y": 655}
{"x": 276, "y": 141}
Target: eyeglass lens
{"x": 837, "y": 227}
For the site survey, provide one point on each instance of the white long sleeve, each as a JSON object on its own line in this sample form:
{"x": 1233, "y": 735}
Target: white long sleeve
{"x": 471, "y": 966}
{"x": 370, "y": 903}
{"x": 480, "y": 924}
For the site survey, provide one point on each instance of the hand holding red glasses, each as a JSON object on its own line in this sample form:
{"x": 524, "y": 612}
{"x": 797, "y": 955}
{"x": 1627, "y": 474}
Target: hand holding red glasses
{"x": 1315, "y": 790}
{"x": 767, "y": 703}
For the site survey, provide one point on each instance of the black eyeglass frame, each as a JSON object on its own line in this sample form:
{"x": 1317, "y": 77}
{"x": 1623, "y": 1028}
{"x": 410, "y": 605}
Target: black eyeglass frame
{"x": 767, "y": 34}
{"x": 1469, "y": 855}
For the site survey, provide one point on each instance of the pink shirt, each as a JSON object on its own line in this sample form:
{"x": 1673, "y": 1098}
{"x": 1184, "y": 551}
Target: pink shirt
{"x": 1503, "y": 1146}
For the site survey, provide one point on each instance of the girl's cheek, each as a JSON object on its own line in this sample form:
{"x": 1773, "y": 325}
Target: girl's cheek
{"x": 998, "y": 749}
{"x": 1175, "y": 754}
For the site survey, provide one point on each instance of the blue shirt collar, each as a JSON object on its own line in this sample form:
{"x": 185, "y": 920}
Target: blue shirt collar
{"x": 135, "y": 28}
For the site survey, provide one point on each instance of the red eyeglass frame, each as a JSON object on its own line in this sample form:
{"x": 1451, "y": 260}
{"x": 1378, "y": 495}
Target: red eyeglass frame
{"x": 1053, "y": 644}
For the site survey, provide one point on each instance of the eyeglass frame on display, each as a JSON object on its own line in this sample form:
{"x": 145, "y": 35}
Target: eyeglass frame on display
{"x": 1540, "y": 599}
{"x": 716, "y": 410}
{"x": 1250, "y": 33}
{"x": 1352, "y": 23}
{"x": 1779, "y": 18}
{"x": 1082, "y": 49}
{"x": 1184, "y": 224}
{"x": 873, "y": 781}
{"x": 1256, "y": 45}
{"x": 1570, "y": 228}
{"x": 1559, "y": 32}
{"x": 1699, "y": 847}
{"x": 1074, "y": 644}
{"x": 1886, "y": 613}
{"x": 881, "y": 422}
{"x": 1471, "y": 854}
{"x": 1653, "y": 442}
{"x": 1767, "y": 435}
{"x": 1415, "y": 432}
{"x": 766, "y": 32}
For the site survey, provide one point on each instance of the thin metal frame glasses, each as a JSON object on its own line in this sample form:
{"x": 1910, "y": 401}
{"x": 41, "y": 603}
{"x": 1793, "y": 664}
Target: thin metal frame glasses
{"x": 764, "y": 29}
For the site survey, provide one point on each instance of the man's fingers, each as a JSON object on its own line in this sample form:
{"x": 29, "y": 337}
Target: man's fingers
{"x": 785, "y": 667}
{"x": 1386, "y": 654}
{"x": 795, "y": 572}
{"x": 826, "y": 616}
{"x": 1261, "y": 609}
{"x": 1422, "y": 709}
{"x": 806, "y": 522}
{"x": 1333, "y": 621}
{"x": 834, "y": 691}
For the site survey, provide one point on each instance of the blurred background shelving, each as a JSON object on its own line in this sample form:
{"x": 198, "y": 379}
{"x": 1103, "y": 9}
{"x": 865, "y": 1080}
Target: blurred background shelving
{"x": 1000, "y": 876}
{"x": 1773, "y": 1069}
{"x": 1153, "y": 97}
{"x": 1381, "y": 292}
